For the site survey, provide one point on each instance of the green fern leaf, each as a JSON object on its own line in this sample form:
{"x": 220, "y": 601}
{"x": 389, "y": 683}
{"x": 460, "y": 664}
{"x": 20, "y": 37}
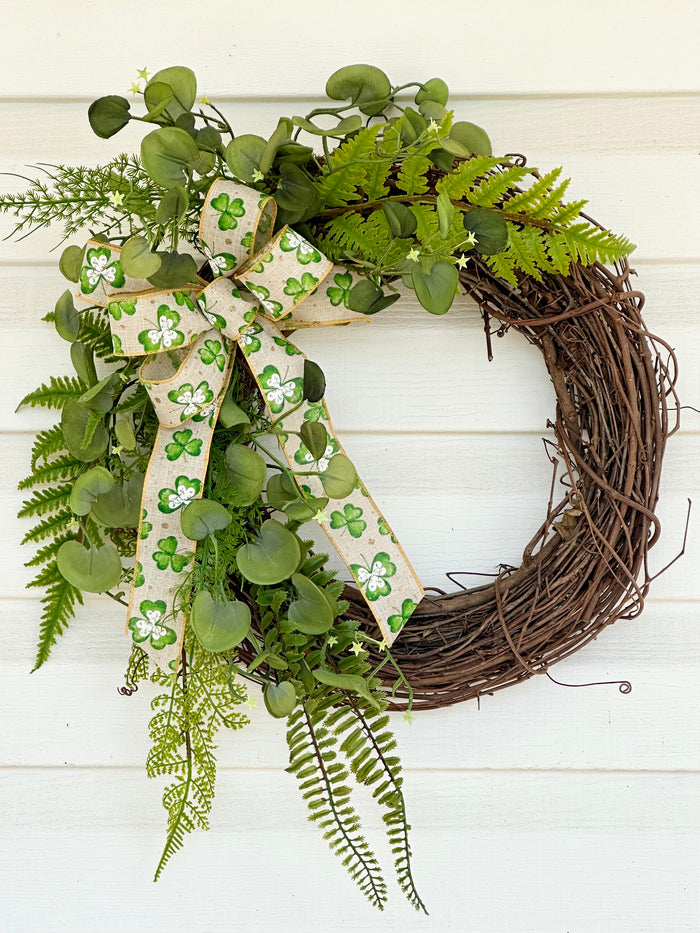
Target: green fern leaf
{"x": 55, "y": 394}
{"x": 339, "y": 185}
{"x": 376, "y": 176}
{"x": 559, "y": 253}
{"x": 46, "y": 500}
{"x": 49, "y": 551}
{"x": 457, "y": 184}
{"x": 503, "y": 265}
{"x": 95, "y": 333}
{"x": 531, "y": 198}
{"x": 412, "y": 178}
{"x": 49, "y": 526}
{"x": 63, "y": 467}
{"x": 493, "y": 188}
{"x": 565, "y": 213}
{"x": 59, "y": 608}
{"x": 46, "y": 443}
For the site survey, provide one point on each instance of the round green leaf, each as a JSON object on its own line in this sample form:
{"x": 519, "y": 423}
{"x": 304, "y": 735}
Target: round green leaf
{"x": 281, "y": 135}
{"x": 93, "y": 570}
{"x": 186, "y": 122}
{"x": 489, "y": 228}
{"x": 293, "y": 152}
{"x": 183, "y": 85}
{"x": 108, "y": 115}
{"x": 281, "y": 491}
{"x": 280, "y": 699}
{"x": 437, "y": 287}
{"x": 315, "y": 438}
{"x": 432, "y": 111}
{"x": 168, "y": 155}
{"x": 402, "y": 221}
{"x": 296, "y": 195}
{"x": 443, "y": 160}
{"x": 87, "y": 487}
{"x": 77, "y": 422}
{"x": 208, "y": 138}
{"x": 176, "y": 270}
{"x": 246, "y": 474}
{"x": 84, "y": 363}
{"x": 232, "y": 415}
{"x": 412, "y": 125}
{"x": 156, "y": 97}
{"x": 472, "y": 137}
{"x": 314, "y": 381}
{"x": 366, "y": 297}
{"x": 71, "y": 262}
{"x": 205, "y": 162}
{"x": 243, "y": 155}
{"x": 172, "y": 206}
{"x": 66, "y": 317}
{"x": 310, "y": 612}
{"x": 202, "y": 518}
{"x": 339, "y": 478}
{"x": 454, "y": 147}
{"x": 219, "y": 625}
{"x": 125, "y": 433}
{"x": 100, "y": 397}
{"x": 304, "y": 511}
{"x": 364, "y": 85}
{"x": 433, "y": 89}
{"x": 121, "y": 506}
{"x": 137, "y": 260}
{"x": 271, "y": 557}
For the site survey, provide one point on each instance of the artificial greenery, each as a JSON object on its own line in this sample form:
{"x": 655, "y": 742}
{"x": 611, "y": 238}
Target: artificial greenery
{"x": 401, "y": 193}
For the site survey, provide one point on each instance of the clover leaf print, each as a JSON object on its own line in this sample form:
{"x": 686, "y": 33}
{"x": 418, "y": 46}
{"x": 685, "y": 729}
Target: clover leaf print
{"x": 279, "y": 391}
{"x": 99, "y": 269}
{"x": 397, "y": 622}
{"x": 117, "y": 308}
{"x": 192, "y": 400}
{"x": 216, "y": 320}
{"x": 306, "y": 252}
{"x": 288, "y": 347}
{"x": 306, "y": 458}
{"x": 269, "y": 305}
{"x": 170, "y": 500}
{"x": 206, "y": 413}
{"x": 151, "y": 626}
{"x": 167, "y": 556}
{"x": 184, "y": 300}
{"x": 299, "y": 290}
{"x": 183, "y": 443}
{"x": 249, "y": 339}
{"x": 316, "y": 412}
{"x": 350, "y": 518}
{"x": 138, "y": 579}
{"x": 338, "y": 293}
{"x": 384, "y": 528}
{"x": 230, "y": 209}
{"x": 212, "y": 352}
{"x": 117, "y": 345}
{"x": 247, "y": 241}
{"x": 164, "y": 336}
{"x": 145, "y": 527}
{"x": 264, "y": 260}
{"x": 373, "y": 579}
{"x": 219, "y": 263}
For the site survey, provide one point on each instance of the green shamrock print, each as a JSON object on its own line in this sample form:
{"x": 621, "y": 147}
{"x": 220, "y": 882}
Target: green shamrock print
{"x": 98, "y": 269}
{"x": 397, "y": 622}
{"x": 151, "y": 627}
{"x": 278, "y": 391}
{"x": 170, "y": 500}
{"x": 374, "y": 577}
{"x": 350, "y": 518}
{"x": 247, "y": 241}
{"x": 249, "y": 339}
{"x": 338, "y": 293}
{"x": 167, "y": 556}
{"x": 306, "y": 253}
{"x": 183, "y": 443}
{"x": 289, "y": 348}
{"x": 117, "y": 345}
{"x": 230, "y": 209}
{"x": 192, "y": 400}
{"x": 117, "y": 308}
{"x": 212, "y": 352}
{"x": 301, "y": 289}
{"x": 146, "y": 527}
{"x": 139, "y": 578}
{"x": 259, "y": 266}
{"x": 207, "y": 413}
{"x": 219, "y": 263}
{"x": 384, "y": 528}
{"x": 165, "y": 336}
{"x": 306, "y": 458}
{"x": 216, "y": 320}
{"x": 273, "y": 308}
{"x": 316, "y": 412}
{"x": 184, "y": 300}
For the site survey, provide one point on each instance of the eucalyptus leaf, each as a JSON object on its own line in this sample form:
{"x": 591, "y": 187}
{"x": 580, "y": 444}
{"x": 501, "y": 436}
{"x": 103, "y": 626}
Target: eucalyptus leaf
{"x": 93, "y": 570}
{"x": 364, "y": 85}
{"x": 232, "y": 415}
{"x": 314, "y": 382}
{"x": 434, "y": 89}
{"x": 100, "y": 397}
{"x": 137, "y": 260}
{"x": 489, "y": 228}
{"x": 108, "y": 115}
{"x": 315, "y": 438}
{"x": 347, "y": 125}
{"x": 366, "y": 297}
{"x": 246, "y": 472}
{"x": 125, "y": 432}
{"x": 412, "y": 125}
{"x": 281, "y": 490}
{"x": 353, "y": 683}
{"x": 281, "y": 135}
{"x": 293, "y": 152}
{"x": 296, "y": 195}
{"x": 183, "y": 84}
{"x": 402, "y": 221}
{"x": 280, "y": 699}
{"x": 339, "y": 478}
{"x": 121, "y": 506}
{"x": 243, "y": 155}
{"x": 301, "y": 512}
{"x": 87, "y": 487}
{"x": 70, "y": 262}
{"x": 202, "y": 518}
{"x": 271, "y": 557}
{"x": 441, "y": 159}
{"x": 172, "y": 206}
{"x": 83, "y": 361}
{"x": 176, "y": 270}
{"x": 218, "y": 624}
{"x": 309, "y": 612}
{"x": 205, "y": 162}
{"x": 156, "y": 97}
{"x": 432, "y": 111}
{"x": 472, "y": 137}
{"x": 168, "y": 155}
{"x": 208, "y": 138}
{"x": 437, "y": 287}
{"x": 66, "y": 318}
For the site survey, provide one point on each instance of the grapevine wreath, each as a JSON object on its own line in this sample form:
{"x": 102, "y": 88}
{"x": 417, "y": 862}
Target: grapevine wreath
{"x": 194, "y": 446}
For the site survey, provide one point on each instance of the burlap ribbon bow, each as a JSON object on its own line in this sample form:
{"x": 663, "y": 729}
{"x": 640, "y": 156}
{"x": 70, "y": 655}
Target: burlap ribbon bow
{"x": 190, "y": 338}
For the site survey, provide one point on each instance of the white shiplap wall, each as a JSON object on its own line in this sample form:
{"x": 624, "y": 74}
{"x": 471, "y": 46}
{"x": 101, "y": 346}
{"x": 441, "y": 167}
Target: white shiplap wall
{"x": 547, "y": 810}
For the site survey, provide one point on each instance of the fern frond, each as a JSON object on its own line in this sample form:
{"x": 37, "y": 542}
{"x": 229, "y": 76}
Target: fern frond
{"x": 44, "y": 554}
{"x": 95, "y": 333}
{"x": 503, "y": 265}
{"x": 46, "y": 500}
{"x": 55, "y": 394}
{"x": 588, "y": 243}
{"x": 457, "y": 184}
{"x": 494, "y": 187}
{"x": 46, "y": 443}
{"x": 412, "y": 178}
{"x": 63, "y": 467}
{"x": 58, "y": 609}
{"x": 49, "y": 526}
{"x": 565, "y": 213}
{"x": 345, "y": 173}
{"x": 376, "y": 177}
{"x": 351, "y": 234}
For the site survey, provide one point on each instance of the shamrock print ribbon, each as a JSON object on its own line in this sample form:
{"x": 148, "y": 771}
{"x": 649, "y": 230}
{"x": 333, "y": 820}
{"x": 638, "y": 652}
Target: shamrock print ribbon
{"x": 189, "y": 337}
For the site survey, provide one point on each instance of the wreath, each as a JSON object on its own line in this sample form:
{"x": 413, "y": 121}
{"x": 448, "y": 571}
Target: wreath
{"x": 194, "y": 444}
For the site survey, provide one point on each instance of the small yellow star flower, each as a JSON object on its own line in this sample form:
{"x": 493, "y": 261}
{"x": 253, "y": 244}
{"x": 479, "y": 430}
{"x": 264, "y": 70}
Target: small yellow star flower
{"x": 321, "y": 516}
{"x": 433, "y": 127}
{"x": 413, "y": 254}
{"x": 117, "y": 449}
{"x": 383, "y": 644}
{"x": 462, "y": 261}
{"x": 258, "y": 175}
{"x": 407, "y": 716}
{"x": 73, "y": 526}
{"x": 251, "y": 702}
{"x": 332, "y": 641}
{"x": 143, "y": 74}
{"x": 135, "y": 88}
{"x": 471, "y": 239}
{"x": 205, "y": 100}
{"x": 356, "y": 648}
{"x": 115, "y": 198}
